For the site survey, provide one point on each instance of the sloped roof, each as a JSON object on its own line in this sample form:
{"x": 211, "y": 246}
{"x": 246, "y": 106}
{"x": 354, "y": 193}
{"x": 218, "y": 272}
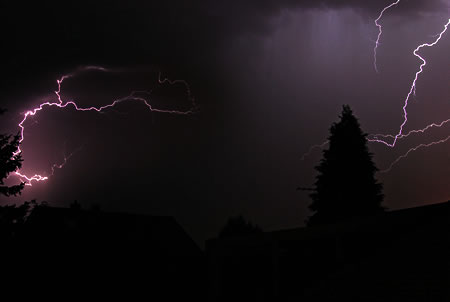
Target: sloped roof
{"x": 383, "y": 222}
{"x": 66, "y": 223}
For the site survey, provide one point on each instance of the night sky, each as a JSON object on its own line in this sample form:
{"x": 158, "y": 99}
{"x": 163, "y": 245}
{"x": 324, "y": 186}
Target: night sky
{"x": 268, "y": 77}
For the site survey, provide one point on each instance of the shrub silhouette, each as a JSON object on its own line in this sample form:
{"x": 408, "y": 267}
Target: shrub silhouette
{"x": 238, "y": 226}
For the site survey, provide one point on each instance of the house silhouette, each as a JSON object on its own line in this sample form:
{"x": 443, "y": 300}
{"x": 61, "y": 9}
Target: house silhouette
{"x": 395, "y": 256}
{"x": 105, "y": 255}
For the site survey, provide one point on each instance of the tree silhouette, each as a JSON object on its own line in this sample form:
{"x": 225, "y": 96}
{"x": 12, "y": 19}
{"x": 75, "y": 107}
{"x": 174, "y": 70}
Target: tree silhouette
{"x": 9, "y": 162}
{"x": 238, "y": 226}
{"x": 13, "y": 218}
{"x": 345, "y": 186}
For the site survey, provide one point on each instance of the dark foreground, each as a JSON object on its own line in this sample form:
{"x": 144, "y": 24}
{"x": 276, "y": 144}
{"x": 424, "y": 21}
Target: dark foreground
{"x": 76, "y": 254}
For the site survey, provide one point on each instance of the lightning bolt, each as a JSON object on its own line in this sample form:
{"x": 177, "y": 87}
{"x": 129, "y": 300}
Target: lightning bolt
{"x": 415, "y": 131}
{"x": 383, "y": 138}
{"x": 413, "y": 87}
{"x": 414, "y": 149}
{"x": 133, "y": 96}
{"x": 380, "y": 32}
{"x": 411, "y": 92}
{"x": 53, "y": 168}
{"x": 312, "y": 148}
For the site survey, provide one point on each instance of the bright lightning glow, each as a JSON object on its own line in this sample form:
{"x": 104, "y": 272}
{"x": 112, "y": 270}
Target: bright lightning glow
{"x": 37, "y": 177}
{"x": 62, "y": 104}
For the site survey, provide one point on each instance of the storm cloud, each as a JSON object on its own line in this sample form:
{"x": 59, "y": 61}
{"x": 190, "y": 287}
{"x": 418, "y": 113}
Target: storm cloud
{"x": 269, "y": 77}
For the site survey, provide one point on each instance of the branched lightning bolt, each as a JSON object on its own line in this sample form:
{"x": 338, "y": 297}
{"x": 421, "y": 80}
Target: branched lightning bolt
{"x": 413, "y": 87}
{"x": 380, "y": 32}
{"x": 415, "y": 149}
{"x": 382, "y": 138}
{"x": 53, "y": 168}
{"x": 415, "y": 131}
{"x": 62, "y": 104}
{"x": 412, "y": 91}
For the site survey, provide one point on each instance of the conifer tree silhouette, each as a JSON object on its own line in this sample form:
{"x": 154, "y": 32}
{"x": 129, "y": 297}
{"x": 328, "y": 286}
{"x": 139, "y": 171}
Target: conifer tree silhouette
{"x": 345, "y": 186}
{"x": 9, "y": 162}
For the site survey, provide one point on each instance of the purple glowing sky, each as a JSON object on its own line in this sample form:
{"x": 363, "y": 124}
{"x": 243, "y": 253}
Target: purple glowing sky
{"x": 268, "y": 77}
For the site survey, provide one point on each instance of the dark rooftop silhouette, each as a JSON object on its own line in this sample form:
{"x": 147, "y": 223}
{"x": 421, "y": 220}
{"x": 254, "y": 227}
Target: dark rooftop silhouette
{"x": 106, "y": 254}
{"x": 394, "y": 256}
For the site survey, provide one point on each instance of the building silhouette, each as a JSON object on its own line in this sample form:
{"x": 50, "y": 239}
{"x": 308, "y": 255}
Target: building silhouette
{"x": 395, "y": 256}
{"x": 78, "y": 254}
{"x": 104, "y": 255}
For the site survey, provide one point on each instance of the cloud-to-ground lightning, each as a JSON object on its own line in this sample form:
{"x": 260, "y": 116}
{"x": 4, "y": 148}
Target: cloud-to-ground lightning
{"x": 380, "y": 32}
{"x": 60, "y": 103}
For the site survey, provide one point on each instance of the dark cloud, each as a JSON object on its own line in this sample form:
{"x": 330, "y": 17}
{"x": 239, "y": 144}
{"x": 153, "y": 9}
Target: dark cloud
{"x": 44, "y": 34}
{"x": 244, "y": 16}
{"x": 153, "y": 30}
{"x": 270, "y": 6}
